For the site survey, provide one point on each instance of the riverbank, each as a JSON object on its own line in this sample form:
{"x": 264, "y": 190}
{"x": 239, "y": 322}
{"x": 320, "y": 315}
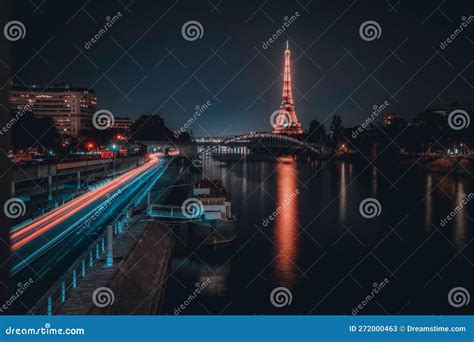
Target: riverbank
{"x": 137, "y": 280}
{"x": 456, "y": 165}
{"x": 448, "y": 165}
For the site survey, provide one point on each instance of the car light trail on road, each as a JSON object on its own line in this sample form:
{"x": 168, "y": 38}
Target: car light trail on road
{"x": 36, "y": 228}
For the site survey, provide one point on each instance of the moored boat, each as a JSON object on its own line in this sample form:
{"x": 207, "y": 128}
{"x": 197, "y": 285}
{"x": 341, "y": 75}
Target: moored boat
{"x": 217, "y": 223}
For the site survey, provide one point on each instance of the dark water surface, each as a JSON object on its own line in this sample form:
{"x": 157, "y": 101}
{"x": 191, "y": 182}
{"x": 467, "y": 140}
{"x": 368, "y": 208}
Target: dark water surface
{"x": 323, "y": 250}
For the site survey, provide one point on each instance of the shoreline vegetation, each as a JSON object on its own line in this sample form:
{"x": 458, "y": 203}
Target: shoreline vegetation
{"x": 456, "y": 165}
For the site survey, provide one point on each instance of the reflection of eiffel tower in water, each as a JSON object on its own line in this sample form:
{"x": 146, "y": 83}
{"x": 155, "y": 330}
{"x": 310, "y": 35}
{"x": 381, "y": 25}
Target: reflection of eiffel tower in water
{"x": 287, "y": 122}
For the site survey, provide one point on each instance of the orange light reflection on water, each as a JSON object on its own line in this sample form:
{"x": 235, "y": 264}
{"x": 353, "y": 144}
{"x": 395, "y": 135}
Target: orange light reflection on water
{"x": 286, "y": 222}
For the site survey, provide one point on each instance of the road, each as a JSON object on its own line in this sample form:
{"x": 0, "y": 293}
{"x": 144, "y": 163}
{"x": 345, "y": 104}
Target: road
{"x": 47, "y": 246}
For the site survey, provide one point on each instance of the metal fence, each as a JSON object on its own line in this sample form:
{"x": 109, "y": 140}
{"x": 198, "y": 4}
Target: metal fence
{"x": 100, "y": 251}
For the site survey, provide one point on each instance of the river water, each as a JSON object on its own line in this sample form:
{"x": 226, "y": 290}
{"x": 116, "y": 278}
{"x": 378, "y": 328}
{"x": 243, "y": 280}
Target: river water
{"x": 300, "y": 228}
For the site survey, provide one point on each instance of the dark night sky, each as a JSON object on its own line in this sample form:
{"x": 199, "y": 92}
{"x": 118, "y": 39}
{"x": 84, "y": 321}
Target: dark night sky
{"x": 242, "y": 84}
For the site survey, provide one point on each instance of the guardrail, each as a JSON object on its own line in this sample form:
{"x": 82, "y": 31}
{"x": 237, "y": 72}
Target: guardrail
{"x": 97, "y": 252}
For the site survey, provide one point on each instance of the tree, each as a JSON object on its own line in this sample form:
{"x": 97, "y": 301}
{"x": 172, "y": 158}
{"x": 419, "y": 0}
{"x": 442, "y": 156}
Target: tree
{"x": 316, "y": 132}
{"x": 433, "y": 127}
{"x": 150, "y": 127}
{"x": 69, "y": 144}
{"x": 30, "y": 132}
{"x": 99, "y": 137}
{"x": 335, "y": 130}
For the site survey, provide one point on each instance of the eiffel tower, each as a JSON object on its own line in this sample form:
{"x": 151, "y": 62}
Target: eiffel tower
{"x": 287, "y": 122}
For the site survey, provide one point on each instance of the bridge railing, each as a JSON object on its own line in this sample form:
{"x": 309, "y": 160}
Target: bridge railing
{"x": 170, "y": 211}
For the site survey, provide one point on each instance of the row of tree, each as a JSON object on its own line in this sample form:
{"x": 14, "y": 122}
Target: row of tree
{"x": 428, "y": 131}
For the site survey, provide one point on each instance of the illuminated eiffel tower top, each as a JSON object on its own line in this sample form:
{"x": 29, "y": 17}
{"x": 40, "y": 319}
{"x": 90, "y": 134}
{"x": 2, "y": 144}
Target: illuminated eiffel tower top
{"x": 287, "y": 122}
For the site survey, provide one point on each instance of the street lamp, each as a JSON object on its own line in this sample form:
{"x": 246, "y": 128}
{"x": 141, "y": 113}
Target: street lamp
{"x": 114, "y": 149}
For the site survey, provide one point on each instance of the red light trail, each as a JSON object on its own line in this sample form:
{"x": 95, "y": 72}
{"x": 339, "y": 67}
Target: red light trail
{"x": 26, "y": 234}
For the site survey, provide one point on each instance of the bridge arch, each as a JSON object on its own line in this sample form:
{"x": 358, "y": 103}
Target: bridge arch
{"x": 265, "y": 138}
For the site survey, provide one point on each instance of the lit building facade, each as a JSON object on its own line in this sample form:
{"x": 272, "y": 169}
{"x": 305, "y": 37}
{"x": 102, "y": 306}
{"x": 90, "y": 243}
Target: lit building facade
{"x": 71, "y": 108}
{"x": 123, "y": 123}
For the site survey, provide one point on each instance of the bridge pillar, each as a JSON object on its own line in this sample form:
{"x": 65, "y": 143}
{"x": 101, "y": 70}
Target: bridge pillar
{"x": 50, "y": 188}
{"x": 109, "y": 260}
{"x": 78, "y": 180}
{"x": 50, "y": 306}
